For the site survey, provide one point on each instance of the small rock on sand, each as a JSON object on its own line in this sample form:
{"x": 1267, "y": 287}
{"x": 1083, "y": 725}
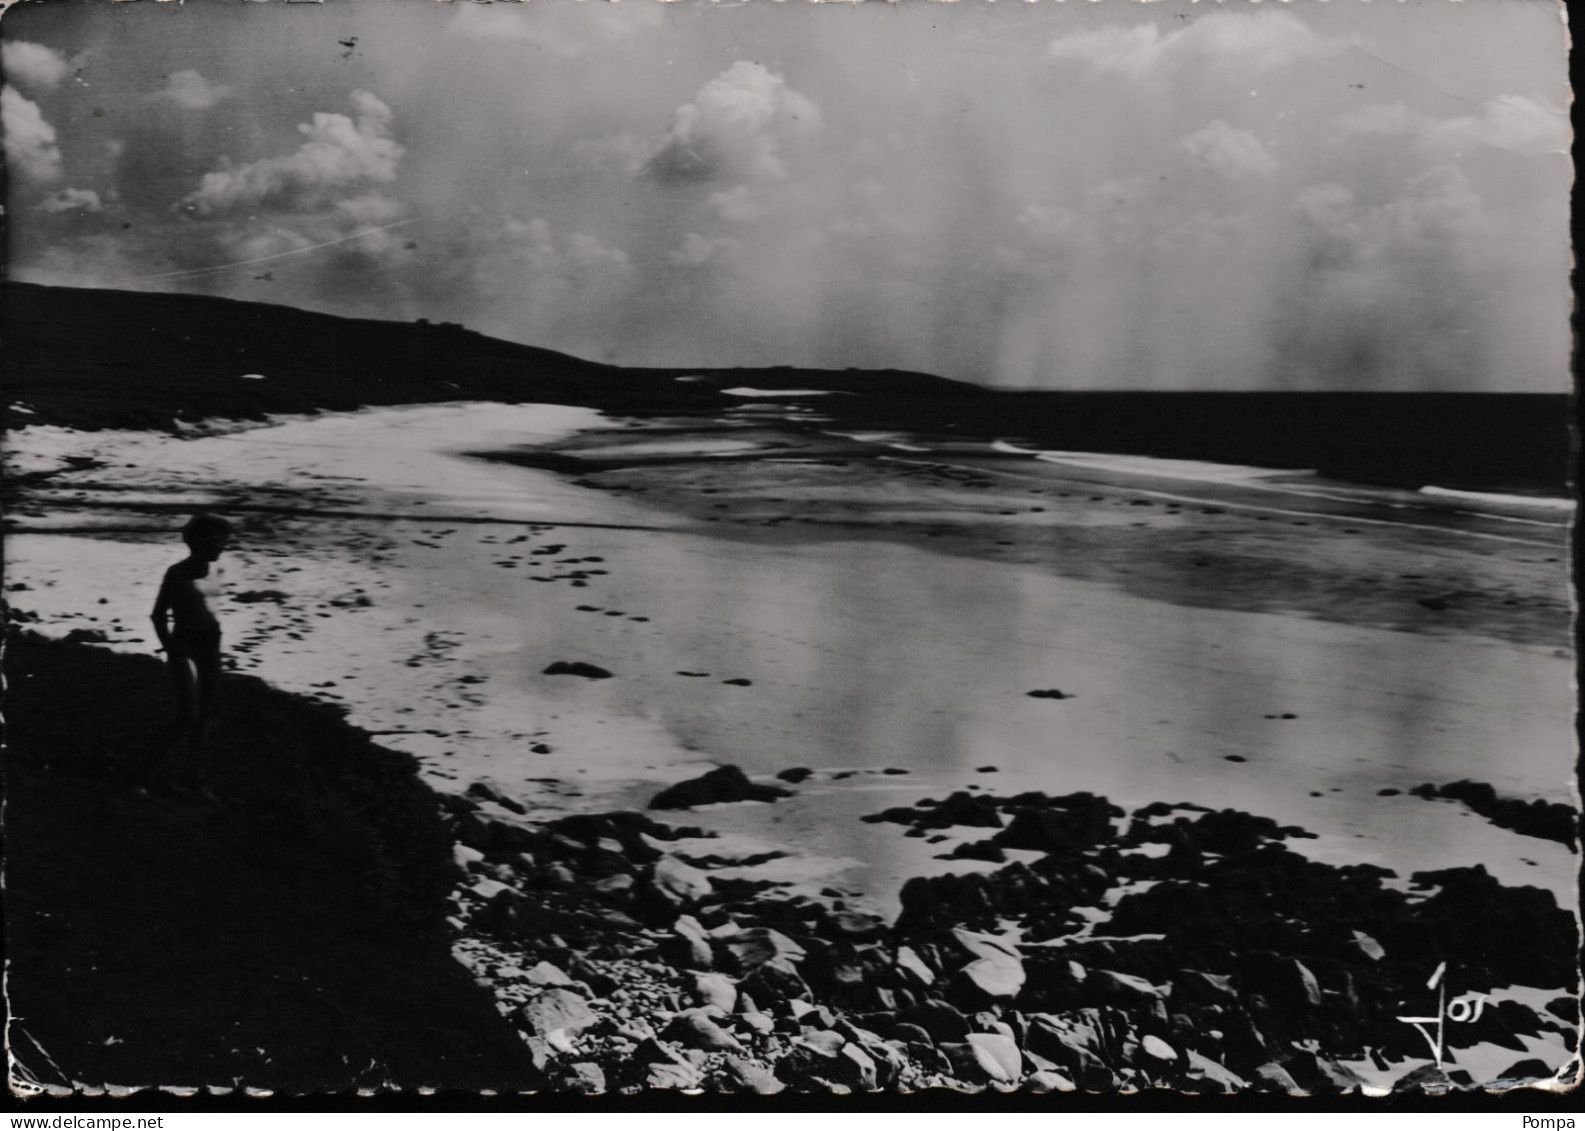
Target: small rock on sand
{"x": 577, "y": 667}
{"x": 725, "y": 783}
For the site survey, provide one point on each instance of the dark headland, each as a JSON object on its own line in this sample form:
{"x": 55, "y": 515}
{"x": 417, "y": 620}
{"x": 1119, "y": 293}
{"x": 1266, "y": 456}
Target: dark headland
{"x": 103, "y": 358}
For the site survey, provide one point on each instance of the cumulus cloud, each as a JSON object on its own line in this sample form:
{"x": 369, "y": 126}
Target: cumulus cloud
{"x": 1133, "y": 52}
{"x": 1386, "y": 118}
{"x": 529, "y": 279}
{"x": 737, "y": 126}
{"x": 30, "y": 145}
{"x": 703, "y": 251}
{"x": 623, "y": 153}
{"x": 738, "y": 205}
{"x": 1260, "y": 41}
{"x": 1392, "y": 290}
{"x": 1435, "y": 206}
{"x": 32, "y": 64}
{"x": 1509, "y": 121}
{"x": 1231, "y": 152}
{"x": 192, "y": 91}
{"x": 577, "y": 258}
{"x": 562, "y": 30}
{"x": 341, "y": 154}
{"x": 71, "y": 200}
{"x": 1045, "y": 236}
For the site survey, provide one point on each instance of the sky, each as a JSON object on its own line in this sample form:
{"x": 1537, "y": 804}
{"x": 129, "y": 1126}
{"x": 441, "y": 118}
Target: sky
{"x": 1319, "y": 194}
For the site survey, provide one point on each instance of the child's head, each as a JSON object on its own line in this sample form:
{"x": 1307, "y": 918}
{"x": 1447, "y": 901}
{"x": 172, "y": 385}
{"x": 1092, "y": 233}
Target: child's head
{"x": 206, "y": 535}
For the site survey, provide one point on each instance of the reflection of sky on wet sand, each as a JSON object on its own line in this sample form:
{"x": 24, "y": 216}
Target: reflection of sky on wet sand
{"x": 861, "y": 653}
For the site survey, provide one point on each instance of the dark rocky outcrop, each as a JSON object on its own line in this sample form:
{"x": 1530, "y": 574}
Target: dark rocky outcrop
{"x": 723, "y": 784}
{"x": 291, "y": 934}
{"x": 1547, "y": 820}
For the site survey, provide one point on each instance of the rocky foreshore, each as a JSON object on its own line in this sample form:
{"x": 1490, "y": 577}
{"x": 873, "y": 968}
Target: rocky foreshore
{"x": 1174, "y": 947}
{"x": 1087, "y": 948}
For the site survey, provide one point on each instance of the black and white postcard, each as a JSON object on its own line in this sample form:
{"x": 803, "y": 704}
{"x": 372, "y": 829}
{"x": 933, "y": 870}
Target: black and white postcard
{"x": 812, "y": 549}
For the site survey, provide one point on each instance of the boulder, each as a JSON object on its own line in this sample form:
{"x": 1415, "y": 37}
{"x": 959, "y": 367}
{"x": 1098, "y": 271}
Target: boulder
{"x": 1367, "y": 946}
{"x": 1320, "y": 1075}
{"x": 487, "y": 889}
{"x": 1196, "y": 987}
{"x": 1276, "y": 1078}
{"x": 987, "y": 981}
{"x": 806, "y": 1067}
{"x": 694, "y": 1029}
{"x": 594, "y": 977}
{"x": 584, "y": 1076}
{"x": 856, "y": 1068}
{"x": 890, "y": 1060}
{"x": 943, "y": 1022}
{"x": 827, "y": 1042}
{"x": 1429, "y": 1078}
{"x": 666, "y": 1076}
{"x": 714, "y": 989}
{"x": 760, "y": 1024}
{"x": 747, "y": 1075}
{"x": 1048, "y": 1081}
{"x": 723, "y": 784}
{"x": 490, "y": 834}
{"x": 1565, "y": 1009}
{"x": 775, "y": 984}
{"x": 854, "y": 926}
{"x": 747, "y": 949}
{"x": 1158, "y": 1048}
{"x": 490, "y": 791}
{"x": 999, "y": 1055}
{"x": 1213, "y": 1072}
{"x": 913, "y": 967}
{"x": 1126, "y": 990}
{"x": 683, "y": 882}
{"x": 546, "y": 974}
{"x": 972, "y": 1065}
{"x": 1073, "y": 1043}
{"x": 1531, "y": 1068}
{"x": 686, "y": 950}
{"x": 909, "y": 1033}
{"x": 554, "y": 1009}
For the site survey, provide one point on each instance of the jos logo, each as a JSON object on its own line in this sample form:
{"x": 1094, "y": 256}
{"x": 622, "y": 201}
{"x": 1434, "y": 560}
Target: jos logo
{"x": 1465, "y": 1007}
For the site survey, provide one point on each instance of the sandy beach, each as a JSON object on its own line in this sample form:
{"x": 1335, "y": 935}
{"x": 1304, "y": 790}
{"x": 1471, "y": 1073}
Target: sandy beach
{"x": 886, "y": 614}
{"x": 899, "y": 621}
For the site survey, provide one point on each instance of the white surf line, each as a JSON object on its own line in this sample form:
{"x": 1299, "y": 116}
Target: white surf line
{"x": 1255, "y": 484}
{"x": 1350, "y": 519}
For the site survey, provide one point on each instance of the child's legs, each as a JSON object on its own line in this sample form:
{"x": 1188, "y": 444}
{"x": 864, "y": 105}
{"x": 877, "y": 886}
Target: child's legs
{"x": 184, "y": 685}
{"x": 206, "y": 678}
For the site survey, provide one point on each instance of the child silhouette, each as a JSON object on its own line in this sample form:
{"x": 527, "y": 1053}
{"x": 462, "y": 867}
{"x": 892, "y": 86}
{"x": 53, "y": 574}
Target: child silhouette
{"x": 189, "y": 632}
